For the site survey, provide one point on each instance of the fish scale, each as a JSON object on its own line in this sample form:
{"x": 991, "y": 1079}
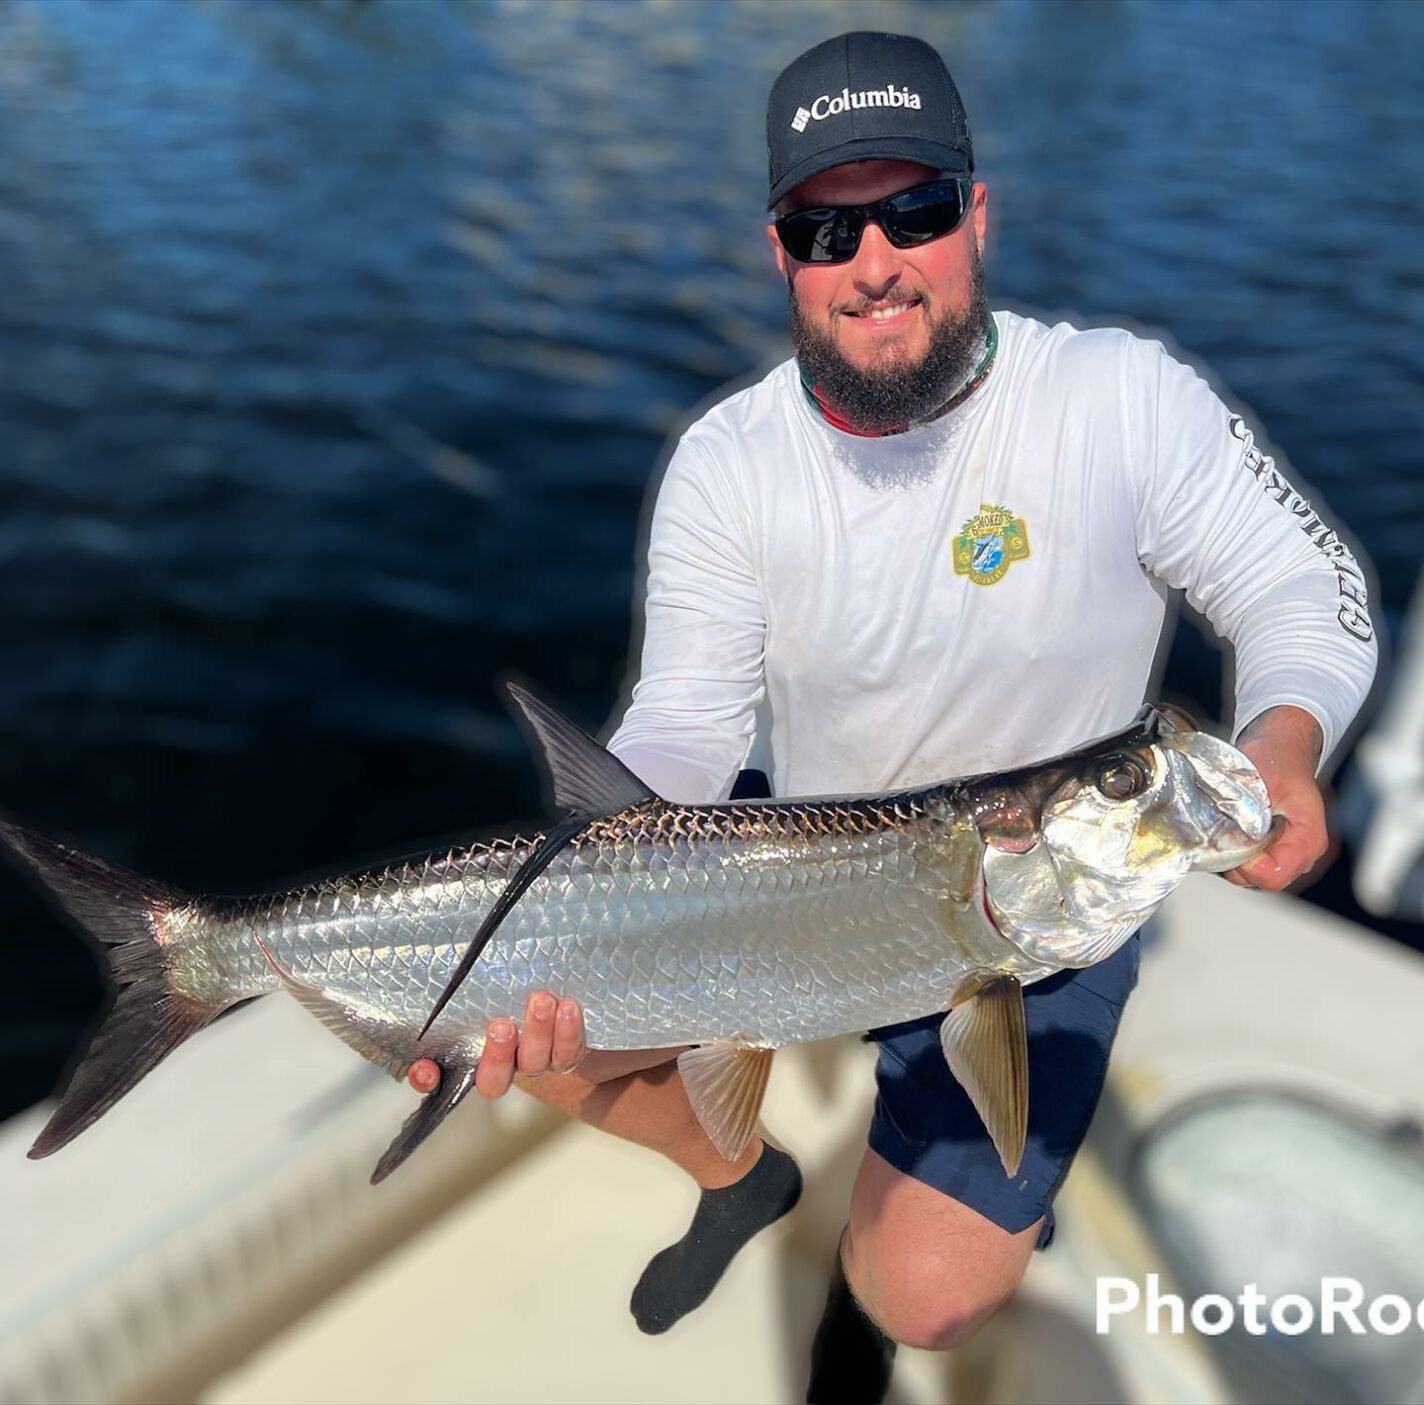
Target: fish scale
{"x": 618, "y": 910}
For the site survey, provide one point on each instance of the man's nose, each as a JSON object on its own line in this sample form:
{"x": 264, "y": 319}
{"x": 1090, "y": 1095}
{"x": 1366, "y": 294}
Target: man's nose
{"x": 877, "y": 265}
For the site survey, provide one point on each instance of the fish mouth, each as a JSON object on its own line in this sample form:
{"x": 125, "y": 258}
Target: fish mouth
{"x": 1223, "y": 860}
{"x": 1224, "y": 805}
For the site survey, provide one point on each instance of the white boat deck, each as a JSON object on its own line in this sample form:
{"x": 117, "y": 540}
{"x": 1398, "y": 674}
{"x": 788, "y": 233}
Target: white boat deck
{"x": 215, "y": 1239}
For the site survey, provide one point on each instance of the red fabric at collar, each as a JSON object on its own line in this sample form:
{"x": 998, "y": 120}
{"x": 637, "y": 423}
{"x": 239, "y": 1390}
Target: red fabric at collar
{"x": 836, "y": 420}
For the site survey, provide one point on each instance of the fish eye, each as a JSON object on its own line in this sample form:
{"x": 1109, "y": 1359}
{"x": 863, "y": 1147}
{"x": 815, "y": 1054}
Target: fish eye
{"x": 1121, "y": 777}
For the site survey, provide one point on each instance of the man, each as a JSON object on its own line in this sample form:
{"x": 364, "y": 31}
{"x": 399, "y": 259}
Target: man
{"x": 938, "y": 542}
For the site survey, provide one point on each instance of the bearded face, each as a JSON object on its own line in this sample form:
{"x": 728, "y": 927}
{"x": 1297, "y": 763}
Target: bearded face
{"x": 889, "y": 337}
{"x": 895, "y": 385}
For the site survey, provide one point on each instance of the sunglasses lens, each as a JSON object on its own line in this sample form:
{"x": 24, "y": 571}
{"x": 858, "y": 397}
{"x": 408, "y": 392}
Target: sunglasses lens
{"x": 929, "y": 211}
{"x": 821, "y": 236}
{"x": 832, "y": 235}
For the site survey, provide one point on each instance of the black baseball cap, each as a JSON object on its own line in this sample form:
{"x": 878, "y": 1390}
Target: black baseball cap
{"x": 864, "y": 97}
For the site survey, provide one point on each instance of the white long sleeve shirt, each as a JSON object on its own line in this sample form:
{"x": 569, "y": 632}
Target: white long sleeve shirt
{"x": 978, "y": 593}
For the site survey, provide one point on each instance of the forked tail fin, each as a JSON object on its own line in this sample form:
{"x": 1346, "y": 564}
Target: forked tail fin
{"x": 148, "y": 1019}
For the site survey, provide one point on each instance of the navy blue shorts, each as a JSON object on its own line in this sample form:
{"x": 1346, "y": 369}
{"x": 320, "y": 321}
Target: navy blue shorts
{"x": 925, "y": 1125}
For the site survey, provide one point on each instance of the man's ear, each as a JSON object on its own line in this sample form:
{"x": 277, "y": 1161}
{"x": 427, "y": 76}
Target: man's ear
{"x": 777, "y": 252}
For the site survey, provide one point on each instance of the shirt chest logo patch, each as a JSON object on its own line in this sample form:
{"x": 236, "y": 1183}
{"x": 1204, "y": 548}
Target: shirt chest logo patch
{"x": 989, "y": 543}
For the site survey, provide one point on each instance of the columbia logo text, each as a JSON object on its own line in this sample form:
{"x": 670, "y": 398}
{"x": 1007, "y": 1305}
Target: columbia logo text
{"x": 828, "y": 106}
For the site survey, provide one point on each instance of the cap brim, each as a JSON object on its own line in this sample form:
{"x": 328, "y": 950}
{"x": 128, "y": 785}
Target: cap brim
{"x": 922, "y": 150}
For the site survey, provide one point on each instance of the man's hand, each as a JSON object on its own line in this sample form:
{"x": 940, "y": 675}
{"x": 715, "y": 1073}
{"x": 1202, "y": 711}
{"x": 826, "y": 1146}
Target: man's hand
{"x": 1285, "y": 742}
{"x": 552, "y": 1041}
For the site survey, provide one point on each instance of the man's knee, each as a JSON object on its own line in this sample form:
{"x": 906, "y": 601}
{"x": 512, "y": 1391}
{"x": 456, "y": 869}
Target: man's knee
{"x": 911, "y": 1318}
{"x": 916, "y": 1303}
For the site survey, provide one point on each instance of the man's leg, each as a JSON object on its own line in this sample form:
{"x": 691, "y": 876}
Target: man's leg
{"x": 638, "y": 1095}
{"x": 939, "y": 1236}
{"x": 927, "y": 1269}
{"x": 914, "y": 1266}
{"x": 739, "y": 1198}
{"x": 635, "y": 1094}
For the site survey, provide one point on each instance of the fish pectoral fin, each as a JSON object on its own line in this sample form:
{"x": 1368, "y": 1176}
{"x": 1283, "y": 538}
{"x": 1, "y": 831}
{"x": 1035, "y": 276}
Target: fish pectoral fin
{"x": 455, "y": 1082}
{"x": 374, "y": 1035}
{"x": 986, "y": 1047}
{"x": 725, "y": 1084}
{"x": 588, "y": 778}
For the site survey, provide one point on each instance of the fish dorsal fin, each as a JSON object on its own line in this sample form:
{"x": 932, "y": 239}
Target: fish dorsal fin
{"x": 374, "y": 1035}
{"x": 588, "y": 778}
{"x": 986, "y": 1047}
{"x": 725, "y": 1084}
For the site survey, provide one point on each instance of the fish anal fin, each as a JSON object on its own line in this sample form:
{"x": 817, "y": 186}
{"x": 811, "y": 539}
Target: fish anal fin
{"x": 725, "y": 1084}
{"x": 986, "y": 1046}
{"x": 455, "y": 1082}
{"x": 588, "y": 778}
{"x": 373, "y": 1035}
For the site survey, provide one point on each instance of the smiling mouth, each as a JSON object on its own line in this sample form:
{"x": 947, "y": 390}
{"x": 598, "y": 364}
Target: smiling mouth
{"x": 885, "y": 312}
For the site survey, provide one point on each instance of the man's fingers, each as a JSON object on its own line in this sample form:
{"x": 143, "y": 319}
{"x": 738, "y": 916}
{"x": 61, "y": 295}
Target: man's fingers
{"x": 424, "y": 1075}
{"x": 1294, "y": 856}
{"x": 1296, "y": 852}
{"x": 569, "y": 1047}
{"x": 536, "y": 1039}
{"x": 496, "y": 1067}
{"x": 552, "y": 1038}
{"x": 1262, "y": 872}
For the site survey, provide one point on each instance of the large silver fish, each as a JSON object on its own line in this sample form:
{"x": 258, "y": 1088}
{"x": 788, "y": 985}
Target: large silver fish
{"x": 737, "y": 928}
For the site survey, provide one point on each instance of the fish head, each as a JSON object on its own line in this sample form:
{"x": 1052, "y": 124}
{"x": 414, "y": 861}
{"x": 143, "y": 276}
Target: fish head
{"x": 1080, "y": 851}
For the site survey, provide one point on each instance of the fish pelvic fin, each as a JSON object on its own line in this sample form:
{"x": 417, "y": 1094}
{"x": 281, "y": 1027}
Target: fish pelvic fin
{"x": 148, "y": 1019}
{"x": 455, "y": 1082}
{"x": 986, "y": 1046}
{"x": 588, "y": 778}
{"x": 725, "y": 1084}
{"x": 372, "y": 1033}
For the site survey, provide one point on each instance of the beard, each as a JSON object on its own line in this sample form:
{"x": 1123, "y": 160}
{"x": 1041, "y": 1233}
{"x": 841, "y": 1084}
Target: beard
{"x": 896, "y": 395}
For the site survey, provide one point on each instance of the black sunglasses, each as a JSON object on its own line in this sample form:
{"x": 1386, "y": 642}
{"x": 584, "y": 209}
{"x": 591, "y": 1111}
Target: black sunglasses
{"x": 831, "y": 233}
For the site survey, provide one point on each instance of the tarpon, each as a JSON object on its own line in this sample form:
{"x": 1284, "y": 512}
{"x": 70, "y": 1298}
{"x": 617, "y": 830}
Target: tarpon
{"x": 735, "y": 928}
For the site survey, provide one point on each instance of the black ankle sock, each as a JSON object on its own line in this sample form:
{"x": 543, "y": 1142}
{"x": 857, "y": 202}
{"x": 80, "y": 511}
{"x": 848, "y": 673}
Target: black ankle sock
{"x": 851, "y": 1358}
{"x": 682, "y": 1275}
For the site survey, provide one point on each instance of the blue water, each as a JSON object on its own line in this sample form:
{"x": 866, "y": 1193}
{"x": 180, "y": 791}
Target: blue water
{"x": 339, "y": 340}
